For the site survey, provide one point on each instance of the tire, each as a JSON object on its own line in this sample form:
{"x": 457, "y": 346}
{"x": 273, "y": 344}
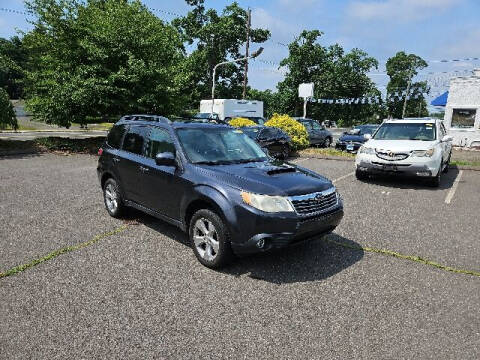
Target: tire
{"x": 285, "y": 152}
{"x": 113, "y": 199}
{"x": 210, "y": 242}
{"x": 327, "y": 142}
{"x": 447, "y": 164}
{"x": 360, "y": 175}
{"x": 435, "y": 181}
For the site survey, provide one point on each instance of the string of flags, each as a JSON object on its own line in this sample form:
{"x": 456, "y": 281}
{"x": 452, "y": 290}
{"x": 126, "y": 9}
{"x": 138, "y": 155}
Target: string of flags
{"x": 396, "y": 96}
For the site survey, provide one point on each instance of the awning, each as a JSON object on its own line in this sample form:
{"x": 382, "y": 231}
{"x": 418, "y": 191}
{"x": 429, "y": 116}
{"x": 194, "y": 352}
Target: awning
{"x": 441, "y": 100}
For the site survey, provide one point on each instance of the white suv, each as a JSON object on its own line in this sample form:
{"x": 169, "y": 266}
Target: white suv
{"x": 415, "y": 147}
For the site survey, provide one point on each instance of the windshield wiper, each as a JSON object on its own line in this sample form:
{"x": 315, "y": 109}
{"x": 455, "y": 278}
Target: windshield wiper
{"x": 245, "y": 161}
{"x": 215, "y": 162}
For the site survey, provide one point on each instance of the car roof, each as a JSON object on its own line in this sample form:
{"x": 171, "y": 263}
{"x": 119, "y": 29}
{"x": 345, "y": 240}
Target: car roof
{"x": 411, "y": 121}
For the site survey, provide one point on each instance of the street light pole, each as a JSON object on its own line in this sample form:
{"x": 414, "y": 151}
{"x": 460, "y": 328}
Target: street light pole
{"x": 254, "y": 55}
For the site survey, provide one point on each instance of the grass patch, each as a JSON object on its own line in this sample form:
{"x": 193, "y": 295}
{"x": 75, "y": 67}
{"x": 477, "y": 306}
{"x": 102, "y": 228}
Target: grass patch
{"x": 464, "y": 163}
{"x": 55, "y": 144}
{"x": 326, "y": 152}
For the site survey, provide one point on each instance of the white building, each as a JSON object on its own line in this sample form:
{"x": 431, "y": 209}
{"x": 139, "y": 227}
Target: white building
{"x": 462, "y": 111}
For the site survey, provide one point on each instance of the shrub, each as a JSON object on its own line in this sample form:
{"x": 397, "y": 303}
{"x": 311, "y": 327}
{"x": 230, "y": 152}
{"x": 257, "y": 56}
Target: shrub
{"x": 293, "y": 128}
{"x": 7, "y": 114}
{"x": 241, "y": 122}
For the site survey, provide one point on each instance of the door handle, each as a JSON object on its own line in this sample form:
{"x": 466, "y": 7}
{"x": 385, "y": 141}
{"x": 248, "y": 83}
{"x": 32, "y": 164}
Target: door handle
{"x": 144, "y": 169}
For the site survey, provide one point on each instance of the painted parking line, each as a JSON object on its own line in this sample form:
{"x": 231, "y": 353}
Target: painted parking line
{"x": 452, "y": 191}
{"x": 343, "y": 177}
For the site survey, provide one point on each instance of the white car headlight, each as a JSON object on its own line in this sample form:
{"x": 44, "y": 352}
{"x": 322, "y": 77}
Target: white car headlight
{"x": 267, "y": 203}
{"x": 423, "y": 153}
{"x": 366, "y": 150}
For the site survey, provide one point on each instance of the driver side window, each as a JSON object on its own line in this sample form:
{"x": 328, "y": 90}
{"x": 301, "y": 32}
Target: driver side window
{"x": 159, "y": 141}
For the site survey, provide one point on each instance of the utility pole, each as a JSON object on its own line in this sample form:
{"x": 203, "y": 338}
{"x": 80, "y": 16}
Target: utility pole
{"x": 408, "y": 90}
{"x": 245, "y": 75}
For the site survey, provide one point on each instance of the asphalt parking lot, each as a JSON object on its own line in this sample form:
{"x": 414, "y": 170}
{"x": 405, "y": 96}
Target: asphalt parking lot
{"x": 141, "y": 293}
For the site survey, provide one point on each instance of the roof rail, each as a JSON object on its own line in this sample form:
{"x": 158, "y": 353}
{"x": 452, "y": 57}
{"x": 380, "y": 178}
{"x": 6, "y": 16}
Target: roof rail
{"x": 144, "y": 117}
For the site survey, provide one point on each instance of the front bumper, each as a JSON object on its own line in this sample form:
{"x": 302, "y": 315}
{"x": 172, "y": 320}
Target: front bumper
{"x": 281, "y": 234}
{"x": 346, "y": 146}
{"x": 412, "y": 167}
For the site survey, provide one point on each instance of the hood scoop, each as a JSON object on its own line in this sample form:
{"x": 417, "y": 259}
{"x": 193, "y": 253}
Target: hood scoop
{"x": 281, "y": 170}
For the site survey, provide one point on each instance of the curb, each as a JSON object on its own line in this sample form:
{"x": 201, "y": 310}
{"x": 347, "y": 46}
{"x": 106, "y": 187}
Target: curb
{"x": 20, "y": 152}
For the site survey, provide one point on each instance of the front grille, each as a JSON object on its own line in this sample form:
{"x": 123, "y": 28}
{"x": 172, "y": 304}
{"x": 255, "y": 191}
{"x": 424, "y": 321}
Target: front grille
{"x": 391, "y": 156}
{"x": 314, "y": 203}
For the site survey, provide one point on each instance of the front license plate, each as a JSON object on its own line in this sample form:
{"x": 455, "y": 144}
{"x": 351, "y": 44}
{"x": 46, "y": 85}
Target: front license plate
{"x": 390, "y": 167}
{"x": 349, "y": 147}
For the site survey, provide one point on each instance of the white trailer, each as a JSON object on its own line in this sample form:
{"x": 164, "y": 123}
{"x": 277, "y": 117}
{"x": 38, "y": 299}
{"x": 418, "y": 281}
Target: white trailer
{"x": 462, "y": 113}
{"x": 228, "y": 109}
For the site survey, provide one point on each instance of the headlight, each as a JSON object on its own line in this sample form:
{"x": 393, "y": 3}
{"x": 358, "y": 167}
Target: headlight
{"x": 267, "y": 203}
{"x": 423, "y": 153}
{"x": 366, "y": 150}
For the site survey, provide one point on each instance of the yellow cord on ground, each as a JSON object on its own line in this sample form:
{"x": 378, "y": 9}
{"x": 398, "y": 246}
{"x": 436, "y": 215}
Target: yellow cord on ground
{"x": 402, "y": 256}
{"x": 64, "y": 250}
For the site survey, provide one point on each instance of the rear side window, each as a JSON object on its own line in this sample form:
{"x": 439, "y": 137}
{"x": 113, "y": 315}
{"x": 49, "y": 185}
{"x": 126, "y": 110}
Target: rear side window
{"x": 159, "y": 141}
{"x": 135, "y": 139}
{"x": 115, "y": 136}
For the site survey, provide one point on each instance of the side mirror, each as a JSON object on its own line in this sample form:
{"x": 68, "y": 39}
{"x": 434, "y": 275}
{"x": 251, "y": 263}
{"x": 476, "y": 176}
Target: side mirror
{"x": 447, "y": 138}
{"x": 165, "y": 159}
{"x": 367, "y": 136}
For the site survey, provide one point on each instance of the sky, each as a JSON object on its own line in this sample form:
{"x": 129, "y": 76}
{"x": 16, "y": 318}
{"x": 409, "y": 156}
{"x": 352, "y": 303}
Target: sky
{"x": 432, "y": 29}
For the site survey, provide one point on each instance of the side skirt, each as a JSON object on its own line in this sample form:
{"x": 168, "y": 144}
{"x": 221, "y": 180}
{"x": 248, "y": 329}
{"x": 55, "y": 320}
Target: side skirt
{"x": 155, "y": 214}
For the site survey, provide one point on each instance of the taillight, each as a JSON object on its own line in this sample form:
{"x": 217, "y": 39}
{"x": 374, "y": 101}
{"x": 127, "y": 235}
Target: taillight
{"x": 100, "y": 152}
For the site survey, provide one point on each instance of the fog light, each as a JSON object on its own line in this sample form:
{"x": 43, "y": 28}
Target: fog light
{"x": 261, "y": 243}
{"x": 423, "y": 173}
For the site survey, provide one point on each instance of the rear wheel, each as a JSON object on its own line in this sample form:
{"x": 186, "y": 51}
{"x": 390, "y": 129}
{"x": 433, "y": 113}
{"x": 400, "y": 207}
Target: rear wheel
{"x": 113, "y": 199}
{"x": 210, "y": 239}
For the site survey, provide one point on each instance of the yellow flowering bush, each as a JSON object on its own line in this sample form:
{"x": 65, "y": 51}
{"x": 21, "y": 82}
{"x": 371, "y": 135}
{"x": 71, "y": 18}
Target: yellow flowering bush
{"x": 241, "y": 122}
{"x": 293, "y": 128}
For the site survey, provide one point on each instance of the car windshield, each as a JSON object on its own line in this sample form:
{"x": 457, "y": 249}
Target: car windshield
{"x": 406, "y": 131}
{"x": 362, "y": 130}
{"x": 251, "y": 132}
{"x": 219, "y": 145}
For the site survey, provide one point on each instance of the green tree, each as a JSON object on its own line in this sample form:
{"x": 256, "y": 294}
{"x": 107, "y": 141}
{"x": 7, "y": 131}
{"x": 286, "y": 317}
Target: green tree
{"x": 336, "y": 75}
{"x": 402, "y": 69}
{"x": 7, "y": 114}
{"x": 99, "y": 58}
{"x": 13, "y": 58}
{"x": 215, "y": 38}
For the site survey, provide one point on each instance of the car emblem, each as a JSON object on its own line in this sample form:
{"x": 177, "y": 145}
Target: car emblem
{"x": 391, "y": 154}
{"x": 319, "y": 197}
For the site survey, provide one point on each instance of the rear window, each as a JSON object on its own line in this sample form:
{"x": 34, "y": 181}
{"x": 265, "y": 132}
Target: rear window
{"x": 115, "y": 136}
{"x": 135, "y": 139}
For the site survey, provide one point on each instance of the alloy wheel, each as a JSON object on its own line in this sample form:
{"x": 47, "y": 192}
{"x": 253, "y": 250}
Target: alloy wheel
{"x": 111, "y": 198}
{"x": 205, "y": 238}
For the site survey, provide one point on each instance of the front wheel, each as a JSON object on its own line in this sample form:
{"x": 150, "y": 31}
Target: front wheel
{"x": 435, "y": 181}
{"x": 210, "y": 239}
{"x": 360, "y": 175}
{"x": 447, "y": 164}
{"x": 327, "y": 142}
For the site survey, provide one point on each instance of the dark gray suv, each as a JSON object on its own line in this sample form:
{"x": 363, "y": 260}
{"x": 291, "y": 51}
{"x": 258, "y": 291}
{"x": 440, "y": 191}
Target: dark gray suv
{"x": 217, "y": 184}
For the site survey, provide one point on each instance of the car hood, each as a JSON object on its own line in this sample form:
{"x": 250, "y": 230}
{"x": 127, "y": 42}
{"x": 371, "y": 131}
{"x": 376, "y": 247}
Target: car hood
{"x": 400, "y": 145}
{"x": 269, "y": 178}
{"x": 353, "y": 138}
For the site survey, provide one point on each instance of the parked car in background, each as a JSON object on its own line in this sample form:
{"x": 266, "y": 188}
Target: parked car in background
{"x": 317, "y": 134}
{"x": 215, "y": 183}
{"x": 329, "y": 124}
{"x": 274, "y": 140}
{"x": 352, "y": 140}
{"x": 419, "y": 148}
